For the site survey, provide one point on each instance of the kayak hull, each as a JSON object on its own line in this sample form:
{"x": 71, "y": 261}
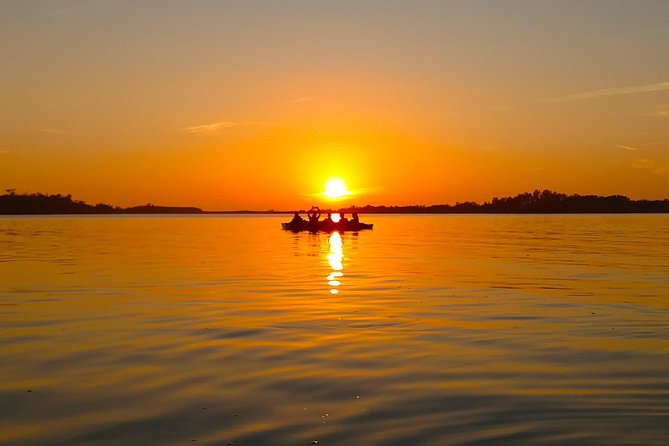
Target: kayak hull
{"x": 325, "y": 227}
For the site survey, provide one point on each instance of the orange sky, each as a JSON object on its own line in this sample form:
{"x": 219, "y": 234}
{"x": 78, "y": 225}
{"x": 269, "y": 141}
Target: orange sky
{"x": 254, "y": 105}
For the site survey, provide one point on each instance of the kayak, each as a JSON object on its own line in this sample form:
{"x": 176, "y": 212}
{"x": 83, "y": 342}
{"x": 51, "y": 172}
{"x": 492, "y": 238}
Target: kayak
{"x": 325, "y": 227}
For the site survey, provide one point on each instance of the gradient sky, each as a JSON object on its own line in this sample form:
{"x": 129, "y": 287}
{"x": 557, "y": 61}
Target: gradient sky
{"x": 255, "y": 104}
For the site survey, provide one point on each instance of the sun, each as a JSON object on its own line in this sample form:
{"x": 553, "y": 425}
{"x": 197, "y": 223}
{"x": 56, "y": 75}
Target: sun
{"x": 335, "y": 188}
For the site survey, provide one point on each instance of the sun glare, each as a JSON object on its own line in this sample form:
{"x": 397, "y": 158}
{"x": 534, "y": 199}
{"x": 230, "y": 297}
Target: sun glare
{"x": 335, "y": 188}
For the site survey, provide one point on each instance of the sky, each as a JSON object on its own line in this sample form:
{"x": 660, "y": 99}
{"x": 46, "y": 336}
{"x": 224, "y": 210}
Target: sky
{"x": 249, "y": 104}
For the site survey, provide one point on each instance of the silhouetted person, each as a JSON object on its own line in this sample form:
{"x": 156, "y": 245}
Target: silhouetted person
{"x": 355, "y": 219}
{"x": 314, "y": 214}
{"x": 343, "y": 220}
{"x": 328, "y": 219}
{"x": 297, "y": 219}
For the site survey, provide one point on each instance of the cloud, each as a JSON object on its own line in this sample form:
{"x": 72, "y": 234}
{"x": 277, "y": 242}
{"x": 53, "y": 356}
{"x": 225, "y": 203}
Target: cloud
{"x": 300, "y": 100}
{"x": 658, "y": 143}
{"x": 631, "y": 149}
{"x": 616, "y": 91}
{"x": 213, "y": 127}
{"x": 662, "y": 111}
{"x": 657, "y": 166}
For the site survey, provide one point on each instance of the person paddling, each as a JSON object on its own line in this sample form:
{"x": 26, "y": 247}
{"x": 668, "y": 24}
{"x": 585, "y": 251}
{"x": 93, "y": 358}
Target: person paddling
{"x": 297, "y": 219}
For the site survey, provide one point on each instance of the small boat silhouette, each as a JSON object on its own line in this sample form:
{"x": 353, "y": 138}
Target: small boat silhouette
{"x": 314, "y": 224}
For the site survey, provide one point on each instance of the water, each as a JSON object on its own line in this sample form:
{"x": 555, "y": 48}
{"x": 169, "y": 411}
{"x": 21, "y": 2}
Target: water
{"x": 428, "y": 330}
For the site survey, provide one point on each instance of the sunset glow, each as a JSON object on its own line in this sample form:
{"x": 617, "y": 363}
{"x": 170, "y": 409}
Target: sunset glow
{"x": 366, "y": 222}
{"x": 335, "y": 188}
{"x": 427, "y": 103}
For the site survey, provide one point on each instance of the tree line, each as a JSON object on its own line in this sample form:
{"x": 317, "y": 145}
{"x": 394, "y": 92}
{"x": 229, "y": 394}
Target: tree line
{"x": 537, "y": 202}
{"x": 27, "y": 204}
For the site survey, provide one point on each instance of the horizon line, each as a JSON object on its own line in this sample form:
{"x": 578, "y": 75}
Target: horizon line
{"x": 104, "y": 208}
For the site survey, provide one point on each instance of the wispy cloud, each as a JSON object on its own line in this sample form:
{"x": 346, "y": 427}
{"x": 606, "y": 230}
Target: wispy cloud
{"x": 616, "y": 91}
{"x": 219, "y": 126}
{"x": 213, "y": 127}
{"x": 658, "y": 143}
{"x": 630, "y": 148}
{"x": 657, "y": 166}
{"x": 300, "y": 100}
{"x": 662, "y": 111}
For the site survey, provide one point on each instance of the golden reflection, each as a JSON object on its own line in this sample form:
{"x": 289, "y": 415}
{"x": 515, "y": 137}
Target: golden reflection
{"x": 335, "y": 257}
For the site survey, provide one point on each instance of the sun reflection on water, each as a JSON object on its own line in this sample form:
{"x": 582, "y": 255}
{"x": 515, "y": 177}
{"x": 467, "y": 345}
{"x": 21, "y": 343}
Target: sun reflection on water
{"x": 335, "y": 257}
{"x": 486, "y": 330}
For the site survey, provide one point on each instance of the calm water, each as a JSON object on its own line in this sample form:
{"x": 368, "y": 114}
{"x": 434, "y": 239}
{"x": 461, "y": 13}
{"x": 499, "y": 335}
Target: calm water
{"x": 428, "y": 330}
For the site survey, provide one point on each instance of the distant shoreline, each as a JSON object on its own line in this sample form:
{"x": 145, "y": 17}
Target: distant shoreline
{"x": 26, "y": 214}
{"x": 537, "y": 202}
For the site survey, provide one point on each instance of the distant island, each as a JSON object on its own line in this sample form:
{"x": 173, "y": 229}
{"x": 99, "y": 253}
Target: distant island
{"x": 537, "y": 202}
